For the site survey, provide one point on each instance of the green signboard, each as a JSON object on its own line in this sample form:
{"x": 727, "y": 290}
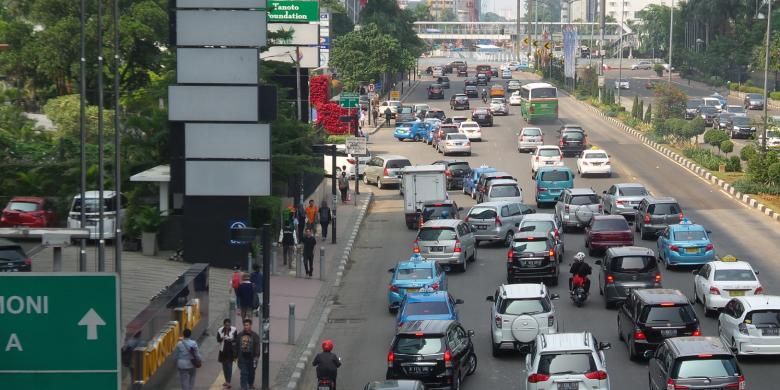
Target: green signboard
{"x": 349, "y": 100}
{"x": 293, "y": 11}
{"x": 59, "y": 331}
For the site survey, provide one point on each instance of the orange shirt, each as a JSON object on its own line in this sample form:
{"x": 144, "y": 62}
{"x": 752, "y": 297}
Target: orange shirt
{"x": 311, "y": 213}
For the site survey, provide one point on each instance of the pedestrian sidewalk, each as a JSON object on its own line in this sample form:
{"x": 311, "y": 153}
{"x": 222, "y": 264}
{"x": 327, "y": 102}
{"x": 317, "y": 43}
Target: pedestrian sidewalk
{"x": 380, "y": 123}
{"x": 308, "y": 296}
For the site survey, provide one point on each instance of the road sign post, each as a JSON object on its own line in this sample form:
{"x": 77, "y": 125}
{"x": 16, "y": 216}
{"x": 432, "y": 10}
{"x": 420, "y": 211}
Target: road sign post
{"x": 349, "y": 100}
{"x": 395, "y": 95}
{"x": 59, "y": 331}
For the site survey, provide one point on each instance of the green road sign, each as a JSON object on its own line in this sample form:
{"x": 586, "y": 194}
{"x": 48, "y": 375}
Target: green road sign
{"x": 59, "y": 331}
{"x": 293, "y": 11}
{"x": 349, "y": 100}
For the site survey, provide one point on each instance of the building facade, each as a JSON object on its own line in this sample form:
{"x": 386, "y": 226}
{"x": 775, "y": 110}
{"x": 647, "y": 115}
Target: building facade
{"x": 589, "y": 10}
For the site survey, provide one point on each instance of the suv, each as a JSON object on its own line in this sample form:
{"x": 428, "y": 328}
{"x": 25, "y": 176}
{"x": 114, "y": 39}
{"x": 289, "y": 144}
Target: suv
{"x": 576, "y": 207}
{"x": 482, "y": 79}
{"x": 439, "y": 353}
{"x": 435, "y": 209}
{"x": 447, "y": 241}
{"x": 653, "y": 215}
{"x": 621, "y": 198}
{"x": 565, "y": 361}
{"x": 385, "y": 169}
{"x": 751, "y": 325}
{"x": 694, "y": 363}
{"x": 435, "y": 91}
{"x": 484, "y": 183}
{"x": 624, "y": 269}
{"x": 573, "y": 140}
{"x": 459, "y": 101}
{"x": 532, "y": 256}
{"x": 483, "y": 116}
{"x": 13, "y": 258}
{"x": 463, "y": 71}
{"x": 519, "y": 313}
{"x": 405, "y": 114}
{"x": 470, "y": 81}
{"x": 546, "y": 223}
{"x": 455, "y": 171}
{"x": 471, "y": 91}
{"x": 496, "y": 221}
{"x": 649, "y": 316}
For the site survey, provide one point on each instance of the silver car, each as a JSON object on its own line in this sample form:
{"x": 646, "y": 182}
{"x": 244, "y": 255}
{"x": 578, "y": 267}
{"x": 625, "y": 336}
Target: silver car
{"x": 529, "y": 138}
{"x": 385, "y": 169}
{"x": 497, "y": 221}
{"x": 577, "y": 206}
{"x": 449, "y": 242}
{"x": 455, "y": 143}
{"x": 503, "y": 189}
{"x": 621, "y": 198}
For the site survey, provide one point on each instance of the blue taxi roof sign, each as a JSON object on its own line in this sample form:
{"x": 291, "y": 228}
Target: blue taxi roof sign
{"x": 427, "y": 289}
{"x": 416, "y": 257}
{"x": 685, "y": 221}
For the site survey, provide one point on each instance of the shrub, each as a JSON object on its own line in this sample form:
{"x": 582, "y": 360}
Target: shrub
{"x": 631, "y": 122}
{"x": 747, "y": 186}
{"x": 774, "y": 173}
{"x": 774, "y": 95}
{"x": 704, "y": 157}
{"x": 734, "y": 164}
{"x": 715, "y": 137}
{"x": 726, "y": 146}
{"x": 649, "y": 113}
{"x": 747, "y": 152}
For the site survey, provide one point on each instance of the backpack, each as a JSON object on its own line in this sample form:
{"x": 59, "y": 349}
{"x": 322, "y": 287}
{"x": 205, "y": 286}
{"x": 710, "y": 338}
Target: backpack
{"x": 236, "y": 281}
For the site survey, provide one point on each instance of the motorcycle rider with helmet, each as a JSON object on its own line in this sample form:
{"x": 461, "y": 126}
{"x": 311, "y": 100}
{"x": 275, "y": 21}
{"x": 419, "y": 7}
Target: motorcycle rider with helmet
{"x": 484, "y": 95}
{"x": 327, "y": 363}
{"x": 580, "y": 269}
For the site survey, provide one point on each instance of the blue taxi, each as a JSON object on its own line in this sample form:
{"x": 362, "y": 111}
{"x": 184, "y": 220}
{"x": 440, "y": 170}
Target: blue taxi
{"x": 428, "y": 305}
{"x": 470, "y": 181}
{"x": 435, "y": 126}
{"x": 412, "y": 275}
{"x": 685, "y": 243}
{"x": 415, "y": 131}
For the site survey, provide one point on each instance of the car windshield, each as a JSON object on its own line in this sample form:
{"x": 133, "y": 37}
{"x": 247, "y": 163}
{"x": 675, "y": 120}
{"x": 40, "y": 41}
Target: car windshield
{"x": 665, "y": 209}
{"x": 414, "y": 273}
{"x": 11, "y": 254}
{"x": 549, "y": 152}
{"x": 394, "y": 164}
{"x": 480, "y": 112}
{"x": 405, "y": 110}
{"x": 503, "y": 191}
{"x": 572, "y": 135}
{"x": 715, "y": 367}
{"x": 529, "y": 246}
{"x": 734, "y": 275}
{"x": 437, "y": 234}
{"x": 632, "y": 191}
{"x": 581, "y": 200}
{"x": 736, "y": 109}
{"x": 426, "y": 308}
{"x": 707, "y": 109}
{"x": 413, "y": 345}
{"x": 689, "y": 235}
{"x": 724, "y": 116}
{"x": 542, "y": 93}
{"x": 22, "y": 206}
{"x": 609, "y": 224}
{"x": 740, "y": 121}
{"x": 532, "y": 132}
{"x": 566, "y": 363}
{"x": 92, "y": 205}
{"x": 537, "y": 226}
{"x": 754, "y": 96}
{"x": 668, "y": 314}
{"x": 596, "y": 155}
{"x": 694, "y": 103}
{"x": 555, "y": 176}
{"x": 632, "y": 264}
{"x": 435, "y": 85}
{"x": 764, "y": 318}
{"x": 460, "y": 167}
{"x": 482, "y": 213}
{"x": 461, "y": 98}
{"x": 433, "y": 212}
{"x": 514, "y": 83}
{"x": 524, "y": 306}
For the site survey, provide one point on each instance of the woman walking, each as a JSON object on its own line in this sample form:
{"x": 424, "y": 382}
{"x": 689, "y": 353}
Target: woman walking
{"x": 324, "y": 218}
{"x": 188, "y": 359}
{"x": 226, "y": 337}
{"x": 343, "y": 186}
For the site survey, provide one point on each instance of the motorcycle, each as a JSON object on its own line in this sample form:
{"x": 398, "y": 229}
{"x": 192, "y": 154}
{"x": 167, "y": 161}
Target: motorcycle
{"x": 578, "y": 294}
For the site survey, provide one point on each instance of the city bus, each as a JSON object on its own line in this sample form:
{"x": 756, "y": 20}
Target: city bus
{"x": 538, "y": 101}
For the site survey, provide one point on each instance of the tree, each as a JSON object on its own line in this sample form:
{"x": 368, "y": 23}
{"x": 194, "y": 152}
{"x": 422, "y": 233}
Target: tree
{"x": 726, "y": 147}
{"x": 447, "y": 15}
{"x": 340, "y": 23}
{"x": 649, "y": 113}
{"x": 367, "y": 54}
{"x": 641, "y": 111}
{"x": 421, "y": 12}
{"x": 395, "y": 22}
{"x": 715, "y": 138}
{"x": 670, "y": 101}
{"x": 695, "y": 128}
{"x": 635, "y": 107}
{"x": 491, "y": 17}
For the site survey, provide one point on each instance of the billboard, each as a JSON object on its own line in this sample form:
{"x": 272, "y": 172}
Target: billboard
{"x": 302, "y": 34}
{"x": 293, "y": 11}
{"x": 307, "y": 55}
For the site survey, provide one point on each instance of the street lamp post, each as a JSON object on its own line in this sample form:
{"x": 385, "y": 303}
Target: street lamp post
{"x": 671, "y": 24}
{"x": 766, "y": 71}
{"x": 620, "y": 61}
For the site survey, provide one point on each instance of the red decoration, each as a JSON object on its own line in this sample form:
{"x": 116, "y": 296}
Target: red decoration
{"x": 328, "y": 113}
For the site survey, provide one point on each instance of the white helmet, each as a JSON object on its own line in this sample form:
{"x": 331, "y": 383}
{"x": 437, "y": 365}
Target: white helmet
{"x": 579, "y": 256}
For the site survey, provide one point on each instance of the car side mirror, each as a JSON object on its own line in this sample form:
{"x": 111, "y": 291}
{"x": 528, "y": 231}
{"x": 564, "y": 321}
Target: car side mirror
{"x": 460, "y": 208}
{"x": 489, "y": 298}
{"x": 604, "y": 346}
{"x": 554, "y": 297}
{"x": 598, "y": 262}
{"x": 458, "y": 301}
{"x": 391, "y": 270}
{"x": 648, "y": 354}
{"x": 708, "y": 231}
{"x": 470, "y": 333}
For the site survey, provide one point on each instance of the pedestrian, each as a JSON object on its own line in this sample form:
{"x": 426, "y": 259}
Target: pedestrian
{"x": 226, "y": 337}
{"x": 300, "y": 220}
{"x": 256, "y": 277}
{"x": 311, "y": 216}
{"x": 388, "y": 116}
{"x": 362, "y": 117}
{"x": 248, "y": 354}
{"x": 375, "y": 115}
{"x": 247, "y": 297}
{"x": 235, "y": 280}
{"x": 324, "y": 218}
{"x": 188, "y": 359}
{"x": 289, "y": 240}
{"x": 343, "y": 186}
{"x": 309, "y": 242}
{"x": 127, "y": 352}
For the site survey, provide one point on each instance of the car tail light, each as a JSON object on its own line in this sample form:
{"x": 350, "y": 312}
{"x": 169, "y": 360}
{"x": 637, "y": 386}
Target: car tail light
{"x": 566, "y": 208}
{"x": 741, "y": 385}
{"x": 681, "y": 216}
{"x": 560, "y": 142}
{"x": 390, "y": 359}
{"x": 610, "y": 279}
{"x": 498, "y": 321}
{"x": 647, "y": 218}
{"x": 607, "y": 162}
{"x": 541, "y": 189}
{"x": 447, "y": 173}
{"x": 601, "y": 208}
{"x": 385, "y": 173}
{"x": 457, "y": 246}
{"x": 416, "y": 247}
{"x": 466, "y": 219}
{"x": 674, "y": 248}
{"x": 658, "y": 278}
{"x": 435, "y": 286}
{"x": 537, "y": 158}
{"x": 536, "y": 378}
{"x": 742, "y": 328}
{"x": 468, "y": 143}
{"x": 714, "y": 291}
{"x": 509, "y": 255}
{"x": 639, "y": 335}
{"x": 550, "y": 321}
{"x": 696, "y": 332}
{"x": 393, "y": 288}
{"x": 351, "y": 161}
{"x": 599, "y": 375}
{"x": 557, "y": 234}
{"x": 759, "y": 291}
{"x": 498, "y": 221}
{"x": 709, "y": 247}
{"x": 671, "y": 384}
{"x": 447, "y": 359}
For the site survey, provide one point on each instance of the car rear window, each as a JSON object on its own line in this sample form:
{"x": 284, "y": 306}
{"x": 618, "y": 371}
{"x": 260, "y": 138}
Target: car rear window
{"x": 536, "y": 226}
{"x": 10, "y": 253}
{"x": 764, "y": 318}
{"x": 459, "y": 167}
{"x": 549, "y": 152}
{"x": 736, "y": 275}
{"x": 532, "y": 132}
{"x": 413, "y": 345}
{"x": 22, "y": 206}
{"x": 449, "y": 130}
{"x": 689, "y": 235}
{"x": 632, "y": 191}
{"x": 633, "y": 264}
{"x": 664, "y": 209}
{"x": 541, "y": 93}
{"x": 698, "y": 367}
{"x": 555, "y": 176}
{"x": 437, "y": 234}
{"x": 529, "y": 246}
{"x": 610, "y": 224}
{"x": 480, "y": 112}
{"x": 669, "y": 314}
{"x": 437, "y": 211}
{"x": 572, "y": 135}
{"x": 524, "y": 306}
{"x": 482, "y": 213}
{"x": 414, "y": 273}
{"x": 393, "y": 164}
{"x": 405, "y": 110}
{"x": 580, "y": 200}
{"x": 566, "y": 363}
{"x": 503, "y": 191}
{"x": 426, "y": 308}
{"x": 596, "y": 155}
{"x": 740, "y": 121}
{"x": 456, "y": 136}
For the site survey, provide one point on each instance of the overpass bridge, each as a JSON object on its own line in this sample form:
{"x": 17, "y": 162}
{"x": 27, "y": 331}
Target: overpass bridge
{"x": 507, "y": 31}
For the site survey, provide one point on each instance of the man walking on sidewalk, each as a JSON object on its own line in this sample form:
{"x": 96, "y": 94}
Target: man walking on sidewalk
{"x": 247, "y": 298}
{"x": 343, "y": 186}
{"x": 309, "y": 242}
{"x": 324, "y": 218}
{"x": 289, "y": 240}
{"x": 311, "y": 216}
{"x": 388, "y": 115}
{"x": 248, "y": 354}
{"x": 256, "y": 277}
{"x": 375, "y": 115}
{"x": 226, "y": 337}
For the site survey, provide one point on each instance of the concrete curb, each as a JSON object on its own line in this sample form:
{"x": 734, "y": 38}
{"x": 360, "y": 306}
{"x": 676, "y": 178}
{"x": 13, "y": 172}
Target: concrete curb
{"x": 306, "y": 356}
{"x": 691, "y": 166}
{"x": 404, "y": 96}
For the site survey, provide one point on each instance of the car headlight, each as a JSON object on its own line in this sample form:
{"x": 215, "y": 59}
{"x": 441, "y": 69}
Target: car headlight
{"x": 752, "y": 129}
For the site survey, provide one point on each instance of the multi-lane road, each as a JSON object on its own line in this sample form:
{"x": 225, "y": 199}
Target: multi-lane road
{"x": 362, "y": 328}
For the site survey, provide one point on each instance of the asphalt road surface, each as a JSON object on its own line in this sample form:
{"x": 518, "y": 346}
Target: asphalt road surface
{"x": 362, "y": 328}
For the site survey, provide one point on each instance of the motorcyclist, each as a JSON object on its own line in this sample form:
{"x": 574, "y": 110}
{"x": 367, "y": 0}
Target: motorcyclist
{"x": 580, "y": 269}
{"x": 484, "y": 95}
{"x": 327, "y": 363}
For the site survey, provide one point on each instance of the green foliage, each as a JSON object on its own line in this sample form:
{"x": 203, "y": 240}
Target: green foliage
{"x": 774, "y": 95}
{"x": 145, "y": 219}
{"x": 649, "y": 113}
{"x": 641, "y": 111}
{"x": 726, "y": 146}
{"x": 747, "y": 152}
{"x": 367, "y": 54}
{"x": 670, "y": 101}
{"x": 715, "y": 137}
{"x": 774, "y": 174}
{"x": 64, "y": 112}
{"x": 395, "y": 22}
{"x": 635, "y": 107}
{"x": 734, "y": 164}
{"x": 758, "y": 167}
{"x": 588, "y": 83}
{"x": 747, "y": 186}
{"x": 706, "y": 159}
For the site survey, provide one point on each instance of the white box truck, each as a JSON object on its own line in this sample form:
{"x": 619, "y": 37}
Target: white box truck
{"x": 419, "y": 184}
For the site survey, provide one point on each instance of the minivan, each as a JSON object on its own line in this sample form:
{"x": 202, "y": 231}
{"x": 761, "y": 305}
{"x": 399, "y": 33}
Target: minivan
{"x": 624, "y": 269}
{"x": 450, "y": 242}
{"x": 694, "y": 363}
{"x": 496, "y": 221}
{"x": 92, "y": 211}
{"x": 551, "y": 182}
{"x": 503, "y": 189}
{"x": 385, "y": 169}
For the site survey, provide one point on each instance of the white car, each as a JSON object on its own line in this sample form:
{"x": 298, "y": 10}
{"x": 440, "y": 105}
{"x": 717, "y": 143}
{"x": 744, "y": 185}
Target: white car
{"x": 343, "y": 159}
{"x": 498, "y": 106}
{"x": 529, "y": 138}
{"x": 455, "y": 143}
{"x": 514, "y": 99}
{"x": 421, "y": 108}
{"x": 642, "y": 65}
{"x": 471, "y": 129}
{"x": 565, "y": 361}
{"x": 751, "y": 325}
{"x": 622, "y": 84}
{"x": 519, "y": 313}
{"x": 594, "y": 162}
{"x": 506, "y": 74}
{"x": 547, "y": 156}
{"x": 438, "y": 71}
{"x": 736, "y": 110}
{"x": 719, "y": 281}
{"x": 393, "y": 104}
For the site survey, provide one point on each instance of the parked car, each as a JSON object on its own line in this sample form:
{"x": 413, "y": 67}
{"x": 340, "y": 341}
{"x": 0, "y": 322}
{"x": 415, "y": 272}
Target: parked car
{"x": 607, "y": 231}
{"x": 343, "y": 159}
{"x": 644, "y": 64}
{"x": 455, "y": 171}
{"x": 392, "y": 104}
{"x": 751, "y": 325}
{"x": 482, "y": 116}
{"x": 577, "y": 206}
{"x": 455, "y": 143}
{"x": 529, "y": 138}
{"x": 511, "y": 306}
{"x": 567, "y": 361}
{"x": 29, "y": 212}
{"x": 654, "y": 214}
{"x": 685, "y": 243}
{"x": 532, "y": 255}
{"x": 450, "y": 242}
{"x": 694, "y": 363}
{"x": 470, "y": 182}
{"x": 385, "y": 169}
{"x": 717, "y": 282}
{"x": 753, "y": 101}
{"x": 410, "y": 276}
{"x": 435, "y": 91}
{"x": 13, "y": 258}
{"x": 92, "y": 206}
{"x": 459, "y": 102}
{"x": 594, "y": 162}
{"x": 624, "y": 269}
{"x": 497, "y": 221}
{"x": 621, "y": 198}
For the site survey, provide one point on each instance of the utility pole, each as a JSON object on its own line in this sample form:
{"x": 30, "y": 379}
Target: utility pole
{"x": 117, "y": 144}
{"x": 101, "y": 173}
{"x": 766, "y": 72}
{"x": 298, "y": 81}
{"x": 266, "y": 324}
{"x": 620, "y": 62}
{"x": 671, "y": 25}
{"x": 83, "y": 135}
{"x": 528, "y": 27}
{"x": 603, "y": 27}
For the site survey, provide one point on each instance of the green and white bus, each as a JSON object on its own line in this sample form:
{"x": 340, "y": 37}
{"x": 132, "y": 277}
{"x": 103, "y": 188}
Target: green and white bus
{"x": 538, "y": 101}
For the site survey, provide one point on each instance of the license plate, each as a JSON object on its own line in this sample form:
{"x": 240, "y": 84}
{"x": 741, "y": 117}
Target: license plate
{"x": 419, "y": 370}
{"x": 596, "y": 164}
{"x": 568, "y": 386}
{"x": 531, "y": 263}
{"x": 324, "y": 387}
{"x": 548, "y": 162}
{"x": 412, "y": 290}
{"x": 770, "y": 332}
{"x": 668, "y": 332}
{"x": 691, "y": 250}
{"x": 436, "y": 249}
{"x": 737, "y": 293}
{"x": 481, "y": 227}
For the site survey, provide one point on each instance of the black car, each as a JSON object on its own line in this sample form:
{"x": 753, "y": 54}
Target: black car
{"x": 463, "y": 71}
{"x": 471, "y": 91}
{"x": 722, "y": 121}
{"x": 444, "y": 81}
{"x": 573, "y": 140}
{"x": 435, "y": 91}
{"x": 483, "y": 116}
{"x": 459, "y": 102}
{"x": 692, "y": 107}
{"x": 470, "y": 81}
{"x": 694, "y": 363}
{"x": 624, "y": 269}
{"x": 482, "y": 79}
{"x": 532, "y": 256}
{"x": 435, "y": 113}
{"x": 707, "y": 114}
{"x": 740, "y": 127}
{"x": 13, "y": 258}
{"x": 440, "y": 209}
{"x": 455, "y": 171}
{"x": 649, "y": 316}
{"x": 439, "y": 353}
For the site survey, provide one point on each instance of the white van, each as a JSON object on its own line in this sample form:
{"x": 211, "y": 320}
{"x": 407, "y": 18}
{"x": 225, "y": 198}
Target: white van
{"x": 343, "y": 159}
{"x": 92, "y": 210}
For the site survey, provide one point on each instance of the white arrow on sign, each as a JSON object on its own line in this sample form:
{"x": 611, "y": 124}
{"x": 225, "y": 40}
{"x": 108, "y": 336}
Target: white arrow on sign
{"x": 91, "y": 320}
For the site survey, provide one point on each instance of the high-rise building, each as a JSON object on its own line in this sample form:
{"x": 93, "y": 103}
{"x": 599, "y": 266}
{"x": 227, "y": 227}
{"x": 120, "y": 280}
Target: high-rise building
{"x": 439, "y": 6}
{"x": 589, "y": 10}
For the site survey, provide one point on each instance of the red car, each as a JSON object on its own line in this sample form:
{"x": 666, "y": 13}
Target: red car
{"x": 28, "y": 211}
{"x": 605, "y": 231}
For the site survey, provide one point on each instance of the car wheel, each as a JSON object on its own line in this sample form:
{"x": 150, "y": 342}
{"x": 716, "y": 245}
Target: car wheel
{"x": 643, "y": 235}
{"x": 456, "y": 382}
{"x": 707, "y": 311}
{"x": 632, "y": 354}
{"x": 495, "y": 349}
{"x": 365, "y": 179}
{"x": 620, "y": 334}
{"x": 538, "y": 205}
{"x": 473, "y": 257}
{"x": 379, "y": 183}
{"x": 392, "y": 310}
{"x": 695, "y": 295}
{"x": 636, "y": 226}
{"x": 472, "y": 364}
{"x": 508, "y": 239}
